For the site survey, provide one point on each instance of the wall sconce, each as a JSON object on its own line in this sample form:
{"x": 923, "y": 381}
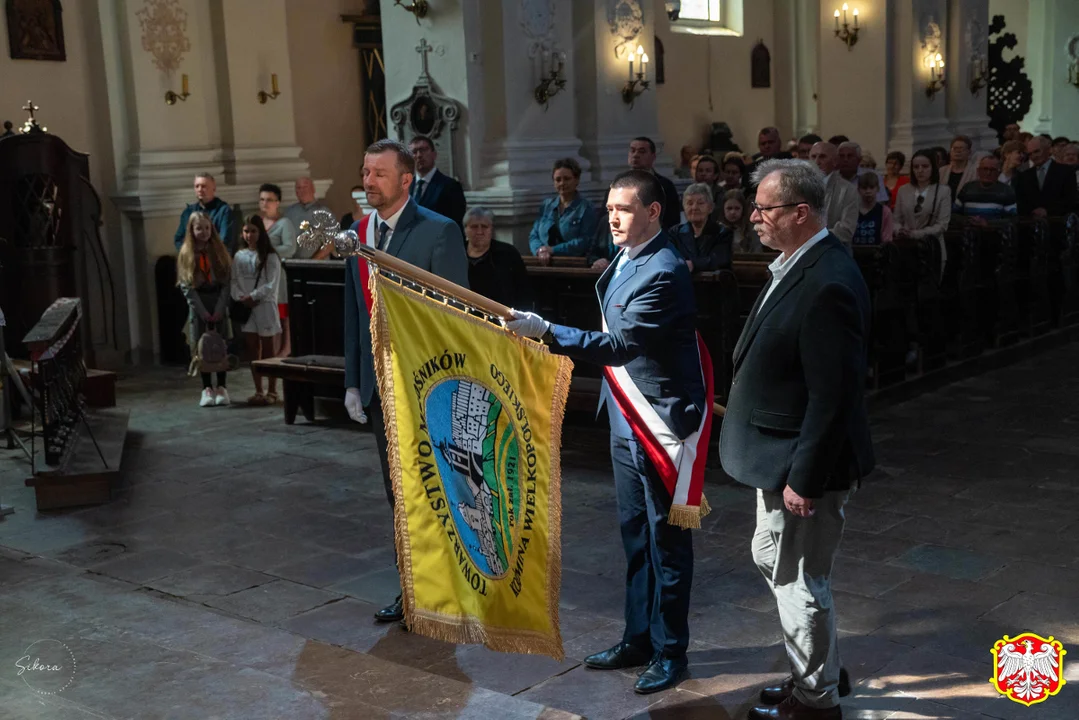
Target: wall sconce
{"x": 847, "y": 33}
{"x": 1073, "y": 73}
{"x": 171, "y": 97}
{"x": 418, "y": 8}
{"x": 637, "y": 83}
{"x": 935, "y": 63}
{"x": 554, "y": 82}
{"x": 264, "y": 96}
{"x": 979, "y": 73}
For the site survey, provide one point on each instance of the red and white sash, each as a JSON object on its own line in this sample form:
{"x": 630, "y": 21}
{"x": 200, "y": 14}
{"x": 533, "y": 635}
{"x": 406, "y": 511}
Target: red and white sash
{"x": 366, "y": 232}
{"x": 680, "y": 463}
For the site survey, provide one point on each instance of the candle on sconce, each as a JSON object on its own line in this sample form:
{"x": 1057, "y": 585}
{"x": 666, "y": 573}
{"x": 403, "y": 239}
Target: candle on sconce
{"x": 844, "y": 13}
{"x": 644, "y": 66}
{"x": 631, "y": 66}
{"x": 855, "y": 18}
{"x": 837, "y": 21}
{"x": 183, "y": 84}
{"x": 273, "y": 83}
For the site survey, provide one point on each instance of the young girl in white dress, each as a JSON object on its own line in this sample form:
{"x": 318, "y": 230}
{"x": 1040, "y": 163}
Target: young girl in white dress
{"x": 256, "y": 274}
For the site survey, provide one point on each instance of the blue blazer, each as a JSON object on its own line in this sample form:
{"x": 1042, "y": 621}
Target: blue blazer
{"x": 577, "y": 225}
{"x": 443, "y": 195}
{"x": 651, "y": 322}
{"x": 423, "y": 238}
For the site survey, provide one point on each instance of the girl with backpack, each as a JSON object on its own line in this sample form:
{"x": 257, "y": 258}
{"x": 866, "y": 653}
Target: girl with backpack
{"x": 255, "y": 279}
{"x": 202, "y": 274}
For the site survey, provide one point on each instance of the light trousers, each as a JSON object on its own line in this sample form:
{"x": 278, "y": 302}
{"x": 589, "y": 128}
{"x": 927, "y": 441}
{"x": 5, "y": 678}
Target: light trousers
{"x": 795, "y": 556}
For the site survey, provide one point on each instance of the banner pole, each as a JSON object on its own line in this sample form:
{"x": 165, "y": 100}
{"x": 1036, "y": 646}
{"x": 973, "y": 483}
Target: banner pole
{"x": 442, "y": 286}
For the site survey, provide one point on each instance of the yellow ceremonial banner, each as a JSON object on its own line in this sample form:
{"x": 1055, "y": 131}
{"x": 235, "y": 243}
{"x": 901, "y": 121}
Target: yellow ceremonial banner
{"x": 474, "y": 424}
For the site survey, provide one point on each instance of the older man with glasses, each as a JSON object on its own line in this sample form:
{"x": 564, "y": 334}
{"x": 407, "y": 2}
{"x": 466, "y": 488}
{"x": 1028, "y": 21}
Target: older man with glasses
{"x": 796, "y": 427}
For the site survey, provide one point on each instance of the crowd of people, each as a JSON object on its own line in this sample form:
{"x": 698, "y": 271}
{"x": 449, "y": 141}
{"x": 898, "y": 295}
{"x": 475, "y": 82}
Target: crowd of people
{"x": 709, "y": 224}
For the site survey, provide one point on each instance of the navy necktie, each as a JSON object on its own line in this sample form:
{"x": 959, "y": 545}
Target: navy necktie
{"x": 419, "y": 188}
{"x": 383, "y": 231}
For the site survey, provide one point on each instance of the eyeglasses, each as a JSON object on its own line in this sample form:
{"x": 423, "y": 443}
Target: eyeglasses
{"x": 753, "y": 204}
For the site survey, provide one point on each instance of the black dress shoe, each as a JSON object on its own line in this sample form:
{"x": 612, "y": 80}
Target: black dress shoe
{"x": 394, "y": 612}
{"x": 778, "y": 693}
{"x": 792, "y": 709}
{"x": 622, "y": 655}
{"x": 663, "y": 673}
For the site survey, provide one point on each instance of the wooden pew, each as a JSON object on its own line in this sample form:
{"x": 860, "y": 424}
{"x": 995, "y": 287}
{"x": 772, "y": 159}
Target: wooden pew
{"x": 1032, "y": 277}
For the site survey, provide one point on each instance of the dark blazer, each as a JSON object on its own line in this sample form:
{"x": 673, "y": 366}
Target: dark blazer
{"x": 651, "y": 319}
{"x": 423, "y": 238}
{"x": 1058, "y": 195}
{"x": 710, "y": 251}
{"x": 672, "y": 204}
{"x": 444, "y": 195}
{"x": 501, "y": 276}
{"x": 796, "y": 413}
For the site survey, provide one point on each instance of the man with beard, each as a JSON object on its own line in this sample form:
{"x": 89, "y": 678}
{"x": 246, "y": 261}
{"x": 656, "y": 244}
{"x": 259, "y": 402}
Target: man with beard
{"x": 414, "y": 234}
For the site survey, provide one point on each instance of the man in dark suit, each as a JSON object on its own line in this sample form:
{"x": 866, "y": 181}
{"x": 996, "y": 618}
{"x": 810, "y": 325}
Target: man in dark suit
{"x": 432, "y": 189}
{"x": 642, "y": 156}
{"x": 796, "y": 426}
{"x": 1047, "y": 188}
{"x": 769, "y": 144}
{"x": 647, "y": 299}
{"x": 414, "y": 234}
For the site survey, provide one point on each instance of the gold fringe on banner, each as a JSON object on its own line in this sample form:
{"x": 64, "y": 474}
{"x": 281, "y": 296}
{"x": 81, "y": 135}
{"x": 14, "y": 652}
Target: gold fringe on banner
{"x": 451, "y": 628}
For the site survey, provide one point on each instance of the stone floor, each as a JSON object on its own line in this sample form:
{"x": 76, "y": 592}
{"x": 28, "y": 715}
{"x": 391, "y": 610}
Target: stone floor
{"x": 236, "y": 575}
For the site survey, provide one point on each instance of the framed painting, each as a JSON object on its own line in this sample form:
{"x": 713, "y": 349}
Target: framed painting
{"x": 35, "y": 30}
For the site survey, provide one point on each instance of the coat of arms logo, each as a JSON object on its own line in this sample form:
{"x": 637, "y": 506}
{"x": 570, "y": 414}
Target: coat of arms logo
{"x": 1028, "y": 668}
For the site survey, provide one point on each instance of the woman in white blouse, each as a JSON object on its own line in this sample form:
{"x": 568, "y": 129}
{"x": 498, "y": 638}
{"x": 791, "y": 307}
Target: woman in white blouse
{"x": 256, "y": 275}
{"x": 283, "y": 238}
{"x": 923, "y": 207}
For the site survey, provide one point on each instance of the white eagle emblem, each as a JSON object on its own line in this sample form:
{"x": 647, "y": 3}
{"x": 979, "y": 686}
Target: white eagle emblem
{"x": 1028, "y": 669}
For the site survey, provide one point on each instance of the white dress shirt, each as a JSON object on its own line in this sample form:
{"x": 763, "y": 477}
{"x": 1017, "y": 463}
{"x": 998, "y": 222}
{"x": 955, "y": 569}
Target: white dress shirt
{"x": 783, "y": 264}
{"x": 376, "y": 223}
{"x": 426, "y": 182}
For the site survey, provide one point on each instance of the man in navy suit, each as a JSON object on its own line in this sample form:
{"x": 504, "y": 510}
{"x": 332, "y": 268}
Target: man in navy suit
{"x": 432, "y": 189}
{"x": 647, "y": 300}
{"x": 796, "y": 427}
{"x": 416, "y": 235}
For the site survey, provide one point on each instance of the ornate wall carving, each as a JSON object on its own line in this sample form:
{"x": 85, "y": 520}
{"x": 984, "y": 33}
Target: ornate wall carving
{"x": 164, "y": 32}
{"x": 626, "y": 20}
{"x": 1010, "y": 90}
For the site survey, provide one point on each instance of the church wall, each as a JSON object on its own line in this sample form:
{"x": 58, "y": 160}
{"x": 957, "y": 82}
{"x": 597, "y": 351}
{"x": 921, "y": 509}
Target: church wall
{"x": 693, "y": 62}
{"x": 853, "y": 93}
{"x": 326, "y": 94}
{"x": 71, "y": 96}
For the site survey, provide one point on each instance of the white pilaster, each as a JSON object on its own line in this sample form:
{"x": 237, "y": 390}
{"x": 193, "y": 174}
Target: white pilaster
{"x": 968, "y": 45}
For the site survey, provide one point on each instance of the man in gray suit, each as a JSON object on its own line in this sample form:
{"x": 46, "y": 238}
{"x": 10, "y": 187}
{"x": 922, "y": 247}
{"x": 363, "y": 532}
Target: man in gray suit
{"x": 796, "y": 427}
{"x": 841, "y": 199}
{"x": 419, "y": 236}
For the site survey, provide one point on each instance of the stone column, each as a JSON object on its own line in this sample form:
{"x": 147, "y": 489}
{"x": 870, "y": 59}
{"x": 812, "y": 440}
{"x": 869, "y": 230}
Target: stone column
{"x": 968, "y": 52}
{"x": 796, "y": 55}
{"x": 1051, "y": 25}
{"x": 917, "y": 120}
{"x": 219, "y": 128}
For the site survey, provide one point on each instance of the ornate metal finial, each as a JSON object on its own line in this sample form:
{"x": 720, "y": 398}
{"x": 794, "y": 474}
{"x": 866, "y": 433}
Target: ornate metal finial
{"x": 423, "y": 48}
{"x": 347, "y": 244}
{"x": 31, "y": 124}
{"x": 320, "y": 231}
{"x": 7, "y": 129}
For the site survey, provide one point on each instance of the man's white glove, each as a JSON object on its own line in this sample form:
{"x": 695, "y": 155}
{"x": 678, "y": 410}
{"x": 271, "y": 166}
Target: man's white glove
{"x": 354, "y": 405}
{"x": 527, "y": 324}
